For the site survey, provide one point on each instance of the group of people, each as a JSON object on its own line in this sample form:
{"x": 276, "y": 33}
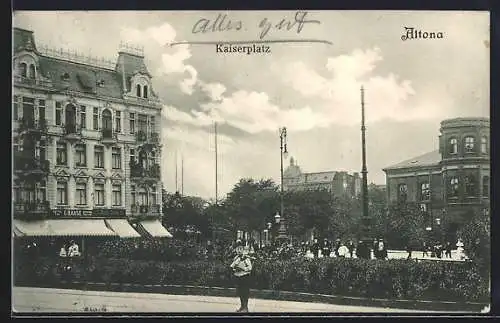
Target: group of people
{"x": 70, "y": 250}
{"x": 339, "y": 249}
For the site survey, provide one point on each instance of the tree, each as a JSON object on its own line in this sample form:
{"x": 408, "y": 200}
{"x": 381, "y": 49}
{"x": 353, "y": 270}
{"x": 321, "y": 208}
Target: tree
{"x": 184, "y": 213}
{"x": 477, "y": 242}
{"x": 405, "y": 225}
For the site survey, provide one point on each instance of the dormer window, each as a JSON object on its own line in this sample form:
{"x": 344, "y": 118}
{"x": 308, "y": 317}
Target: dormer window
{"x": 100, "y": 83}
{"x": 32, "y": 72}
{"x": 23, "y": 67}
{"x": 65, "y": 77}
{"x": 138, "y": 90}
{"x": 145, "y": 92}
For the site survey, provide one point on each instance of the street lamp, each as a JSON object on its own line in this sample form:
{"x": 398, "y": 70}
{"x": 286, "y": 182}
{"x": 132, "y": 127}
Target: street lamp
{"x": 283, "y": 153}
{"x": 277, "y": 218}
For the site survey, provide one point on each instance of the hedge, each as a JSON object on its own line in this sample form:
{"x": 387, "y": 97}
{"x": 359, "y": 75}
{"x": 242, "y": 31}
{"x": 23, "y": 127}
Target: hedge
{"x": 389, "y": 279}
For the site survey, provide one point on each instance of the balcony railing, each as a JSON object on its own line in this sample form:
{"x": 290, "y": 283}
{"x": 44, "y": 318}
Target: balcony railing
{"x": 138, "y": 171}
{"x": 18, "y": 79}
{"x": 108, "y": 136}
{"x": 30, "y": 124}
{"x": 148, "y": 137}
{"x": 31, "y": 208}
{"x": 145, "y": 211}
{"x": 30, "y": 164}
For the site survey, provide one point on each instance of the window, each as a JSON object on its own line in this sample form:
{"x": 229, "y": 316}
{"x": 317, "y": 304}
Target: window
{"x": 15, "y": 107}
{"x": 425, "y": 191}
{"x": 484, "y": 145}
{"x": 152, "y": 124}
{"x": 453, "y": 146}
{"x": 28, "y": 109}
{"x": 41, "y": 191}
{"x": 153, "y": 195}
{"x": 17, "y": 195}
{"x": 138, "y": 90}
{"x": 99, "y": 194}
{"x": 62, "y": 193}
{"x": 486, "y": 186}
{"x": 32, "y": 72}
{"x": 470, "y": 185}
{"x": 143, "y": 196}
{"x": 132, "y": 194}
{"x": 132, "y": 156}
{"x": 29, "y": 193}
{"x": 143, "y": 123}
{"x": 62, "y": 153}
{"x": 116, "y": 156}
{"x": 402, "y": 192}
{"x": 118, "y": 121}
{"x": 41, "y": 109}
{"x": 117, "y": 195}
{"x": 132, "y": 122}
{"x": 58, "y": 113}
{"x": 423, "y": 207}
{"x": 95, "y": 119}
{"x": 98, "y": 157}
{"x": 83, "y": 117}
{"x": 453, "y": 188}
{"x": 145, "y": 94}
{"x": 81, "y": 194}
{"x": 469, "y": 144}
{"x": 23, "y": 68}
{"x": 80, "y": 155}
{"x": 40, "y": 151}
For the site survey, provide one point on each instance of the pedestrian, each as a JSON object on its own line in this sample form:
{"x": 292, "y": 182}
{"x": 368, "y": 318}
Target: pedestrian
{"x": 242, "y": 267}
{"x": 351, "y": 248}
{"x": 336, "y": 247}
{"x": 425, "y": 250}
{"x": 409, "y": 250}
{"x": 315, "y": 248}
{"x": 448, "y": 250}
{"x": 325, "y": 250}
{"x": 343, "y": 251}
{"x": 381, "y": 251}
{"x": 362, "y": 251}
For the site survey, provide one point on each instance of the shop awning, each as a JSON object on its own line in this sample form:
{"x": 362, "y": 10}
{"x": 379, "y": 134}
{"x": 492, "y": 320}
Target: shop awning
{"x": 155, "y": 229}
{"x": 122, "y": 228}
{"x": 70, "y": 227}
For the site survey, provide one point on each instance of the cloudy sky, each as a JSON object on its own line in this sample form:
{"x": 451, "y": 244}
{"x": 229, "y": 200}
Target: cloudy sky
{"x": 311, "y": 88}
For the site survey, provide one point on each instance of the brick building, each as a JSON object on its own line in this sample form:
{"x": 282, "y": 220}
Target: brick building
{"x": 340, "y": 183}
{"x": 86, "y": 143}
{"x": 451, "y": 182}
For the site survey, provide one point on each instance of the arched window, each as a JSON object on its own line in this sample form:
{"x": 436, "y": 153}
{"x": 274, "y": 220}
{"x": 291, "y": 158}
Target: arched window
{"x": 453, "y": 148}
{"x": 23, "y": 69}
{"x": 484, "y": 144}
{"x": 486, "y": 186}
{"x": 470, "y": 185}
{"x": 145, "y": 91}
{"x": 143, "y": 159}
{"x": 70, "y": 114}
{"x": 32, "y": 72}
{"x": 453, "y": 187}
{"x": 107, "y": 123}
{"x": 469, "y": 144}
{"x": 138, "y": 89}
{"x": 143, "y": 196}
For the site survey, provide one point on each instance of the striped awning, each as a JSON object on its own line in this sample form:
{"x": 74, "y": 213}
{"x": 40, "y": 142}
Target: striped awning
{"x": 122, "y": 228}
{"x": 153, "y": 228}
{"x": 59, "y": 227}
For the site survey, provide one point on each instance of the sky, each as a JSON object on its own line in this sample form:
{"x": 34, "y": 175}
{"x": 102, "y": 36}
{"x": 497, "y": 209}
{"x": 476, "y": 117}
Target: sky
{"x": 313, "y": 89}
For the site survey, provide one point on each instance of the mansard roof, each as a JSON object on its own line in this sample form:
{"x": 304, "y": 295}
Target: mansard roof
{"x": 428, "y": 159}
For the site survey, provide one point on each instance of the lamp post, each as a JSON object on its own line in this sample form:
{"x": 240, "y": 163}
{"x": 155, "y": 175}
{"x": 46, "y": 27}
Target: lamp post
{"x": 283, "y": 153}
{"x": 366, "y": 221}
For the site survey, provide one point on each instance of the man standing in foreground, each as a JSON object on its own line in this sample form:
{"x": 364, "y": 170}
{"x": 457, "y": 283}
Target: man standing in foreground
{"x": 242, "y": 267}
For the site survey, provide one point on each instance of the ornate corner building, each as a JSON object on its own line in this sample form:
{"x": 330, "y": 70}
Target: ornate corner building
{"x": 450, "y": 183}
{"x": 86, "y": 144}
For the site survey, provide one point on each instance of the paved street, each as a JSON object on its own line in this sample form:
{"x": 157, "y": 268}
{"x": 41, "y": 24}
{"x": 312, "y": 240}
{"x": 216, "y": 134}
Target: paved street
{"x": 27, "y": 299}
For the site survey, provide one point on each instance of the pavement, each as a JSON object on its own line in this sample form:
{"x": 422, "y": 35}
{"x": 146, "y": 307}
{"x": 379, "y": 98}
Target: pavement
{"x": 30, "y": 300}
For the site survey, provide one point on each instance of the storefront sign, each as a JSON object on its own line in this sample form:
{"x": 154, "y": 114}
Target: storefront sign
{"x": 79, "y": 213}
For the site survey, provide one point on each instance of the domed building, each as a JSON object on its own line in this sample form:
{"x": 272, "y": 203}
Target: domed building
{"x": 449, "y": 184}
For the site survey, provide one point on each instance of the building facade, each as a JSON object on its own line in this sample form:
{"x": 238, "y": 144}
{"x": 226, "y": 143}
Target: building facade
{"x": 451, "y": 182}
{"x": 86, "y": 142}
{"x": 339, "y": 183}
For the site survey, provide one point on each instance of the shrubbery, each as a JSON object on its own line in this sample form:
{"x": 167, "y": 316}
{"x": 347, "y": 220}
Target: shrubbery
{"x": 394, "y": 279}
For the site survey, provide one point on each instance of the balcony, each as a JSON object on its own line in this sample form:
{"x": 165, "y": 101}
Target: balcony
{"x": 151, "y": 173}
{"x": 108, "y": 137}
{"x": 23, "y": 80}
{"x": 72, "y": 132}
{"x": 144, "y": 212}
{"x": 32, "y": 209}
{"x": 30, "y": 125}
{"x": 29, "y": 165}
